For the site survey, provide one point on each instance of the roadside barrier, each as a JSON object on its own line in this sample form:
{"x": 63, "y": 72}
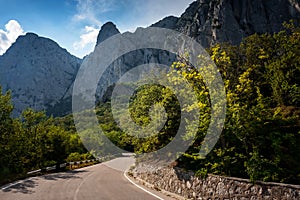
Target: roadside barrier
{"x": 63, "y": 165}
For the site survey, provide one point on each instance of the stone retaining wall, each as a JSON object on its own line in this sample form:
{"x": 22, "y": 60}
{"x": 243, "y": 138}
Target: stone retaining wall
{"x": 213, "y": 187}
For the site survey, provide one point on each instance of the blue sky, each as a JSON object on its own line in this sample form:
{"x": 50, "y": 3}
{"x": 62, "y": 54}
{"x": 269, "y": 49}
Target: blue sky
{"x": 74, "y": 24}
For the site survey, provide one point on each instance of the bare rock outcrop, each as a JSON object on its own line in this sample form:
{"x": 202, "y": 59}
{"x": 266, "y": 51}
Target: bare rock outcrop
{"x": 213, "y": 21}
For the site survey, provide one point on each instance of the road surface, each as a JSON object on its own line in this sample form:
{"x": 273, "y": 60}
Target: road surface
{"x": 102, "y": 181}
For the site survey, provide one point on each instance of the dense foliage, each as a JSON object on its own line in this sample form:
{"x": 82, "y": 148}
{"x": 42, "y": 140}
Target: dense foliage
{"x": 260, "y": 139}
{"x": 33, "y": 141}
{"x": 261, "y": 136}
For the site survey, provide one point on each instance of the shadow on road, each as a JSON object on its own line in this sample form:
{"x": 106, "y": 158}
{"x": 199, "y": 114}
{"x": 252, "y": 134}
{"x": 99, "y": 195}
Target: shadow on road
{"x": 63, "y": 175}
{"x": 26, "y": 186}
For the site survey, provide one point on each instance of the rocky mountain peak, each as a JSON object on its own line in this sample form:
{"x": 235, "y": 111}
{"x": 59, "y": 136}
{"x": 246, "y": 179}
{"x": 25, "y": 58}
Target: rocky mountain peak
{"x": 38, "y": 72}
{"x": 167, "y": 22}
{"x": 29, "y": 35}
{"x": 33, "y": 45}
{"x": 212, "y": 21}
{"x": 107, "y": 30}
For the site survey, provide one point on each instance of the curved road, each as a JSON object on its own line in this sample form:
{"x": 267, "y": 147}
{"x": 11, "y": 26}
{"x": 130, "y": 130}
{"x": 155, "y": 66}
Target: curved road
{"x": 100, "y": 181}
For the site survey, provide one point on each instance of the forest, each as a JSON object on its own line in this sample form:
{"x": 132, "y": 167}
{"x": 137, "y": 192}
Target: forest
{"x": 261, "y": 135}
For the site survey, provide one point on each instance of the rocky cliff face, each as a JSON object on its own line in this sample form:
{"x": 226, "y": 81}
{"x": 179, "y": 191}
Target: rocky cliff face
{"x": 38, "y": 72}
{"x": 107, "y": 30}
{"x": 209, "y": 22}
{"x": 167, "y": 22}
{"x": 126, "y": 62}
{"x": 212, "y": 21}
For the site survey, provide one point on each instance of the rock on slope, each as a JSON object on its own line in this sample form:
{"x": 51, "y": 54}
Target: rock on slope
{"x": 212, "y": 21}
{"x": 38, "y": 72}
{"x": 126, "y": 62}
{"x": 107, "y": 30}
{"x": 209, "y": 22}
{"x": 167, "y": 22}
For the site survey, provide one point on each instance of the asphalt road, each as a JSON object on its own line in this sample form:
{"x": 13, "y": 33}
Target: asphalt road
{"x": 102, "y": 181}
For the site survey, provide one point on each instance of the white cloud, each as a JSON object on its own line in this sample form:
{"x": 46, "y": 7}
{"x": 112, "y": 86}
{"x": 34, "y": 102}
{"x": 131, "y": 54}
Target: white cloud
{"x": 8, "y": 36}
{"x": 87, "y": 13}
{"x": 88, "y": 37}
{"x": 88, "y": 10}
{"x": 127, "y": 14}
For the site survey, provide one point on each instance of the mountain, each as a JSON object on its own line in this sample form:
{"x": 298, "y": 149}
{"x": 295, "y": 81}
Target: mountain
{"x": 213, "y": 21}
{"x": 167, "y": 22}
{"x": 126, "y": 62}
{"x": 208, "y": 22}
{"x": 107, "y": 30}
{"x": 38, "y": 72}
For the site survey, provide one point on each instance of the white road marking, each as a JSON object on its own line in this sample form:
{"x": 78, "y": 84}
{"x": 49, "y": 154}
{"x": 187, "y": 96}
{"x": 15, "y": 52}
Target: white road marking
{"x": 5, "y": 187}
{"x": 15, "y": 183}
{"x": 78, "y": 188}
{"x": 141, "y": 187}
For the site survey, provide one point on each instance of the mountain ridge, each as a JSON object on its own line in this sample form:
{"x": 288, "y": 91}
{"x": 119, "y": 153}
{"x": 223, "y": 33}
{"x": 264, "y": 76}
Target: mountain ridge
{"x": 40, "y": 73}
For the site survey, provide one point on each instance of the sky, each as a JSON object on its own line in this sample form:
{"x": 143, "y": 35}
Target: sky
{"x": 74, "y": 24}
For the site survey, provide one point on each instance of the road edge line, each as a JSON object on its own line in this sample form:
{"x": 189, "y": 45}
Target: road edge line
{"x": 9, "y": 185}
{"x": 125, "y": 174}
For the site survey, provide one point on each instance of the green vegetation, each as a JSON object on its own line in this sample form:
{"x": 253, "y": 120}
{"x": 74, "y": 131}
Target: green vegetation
{"x": 260, "y": 139}
{"x": 261, "y": 136}
{"x": 33, "y": 141}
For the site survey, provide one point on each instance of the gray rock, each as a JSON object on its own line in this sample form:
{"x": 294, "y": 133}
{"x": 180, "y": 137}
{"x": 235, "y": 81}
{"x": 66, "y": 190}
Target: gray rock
{"x": 218, "y": 186}
{"x": 209, "y": 22}
{"x": 188, "y": 185}
{"x": 38, "y": 72}
{"x": 168, "y": 22}
{"x": 126, "y": 62}
{"x": 213, "y": 21}
{"x": 107, "y": 30}
{"x": 179, "y": 191}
